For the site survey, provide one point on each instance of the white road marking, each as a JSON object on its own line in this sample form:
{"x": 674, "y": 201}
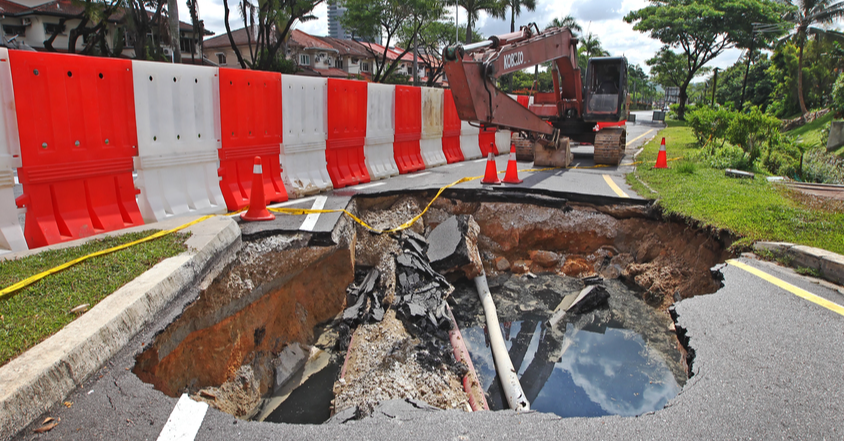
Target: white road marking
{"x": 365, "y": 186}
{"x": 184, "y": 421}
{"x": 418, "y": 175}
{"x": 457, "y": 164}
{"x": 291, "y": 202}
{"x": 480, "y": 160}
{"x": 311, "y": 220}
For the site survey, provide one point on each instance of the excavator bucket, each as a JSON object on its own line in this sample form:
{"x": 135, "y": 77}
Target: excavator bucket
{"x": 552, "y": 154}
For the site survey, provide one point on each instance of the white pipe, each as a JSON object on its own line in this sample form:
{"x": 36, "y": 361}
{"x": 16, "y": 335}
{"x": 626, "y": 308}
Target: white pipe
{"x": 506, "y": 373}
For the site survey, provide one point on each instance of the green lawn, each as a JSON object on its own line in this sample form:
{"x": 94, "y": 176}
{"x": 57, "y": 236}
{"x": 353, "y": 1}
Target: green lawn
{"x": 41, "y": 309}
{"x": 754, "y": 209}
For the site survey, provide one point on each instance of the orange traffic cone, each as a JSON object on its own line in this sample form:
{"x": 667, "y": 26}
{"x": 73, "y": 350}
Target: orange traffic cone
{"x": 257, "y": 204}
{"x": 662, "y": 159}
{"x": 512, "y": 175}
{"x": 491, "y": 174}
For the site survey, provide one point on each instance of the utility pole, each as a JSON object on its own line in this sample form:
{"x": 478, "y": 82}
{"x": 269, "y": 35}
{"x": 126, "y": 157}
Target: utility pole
{"x": 714, "y": 86}
{"x": 415, "y": 61}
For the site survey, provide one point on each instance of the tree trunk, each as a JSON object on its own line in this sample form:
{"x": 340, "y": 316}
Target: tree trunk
{"x": 800, "y": 82}
{"x": 229, "y": 33}
{"x": 175, "y": 36}
{"x": 468, "y": 28}
{"x": 681, "y": 108}
{"x": 512, "y": 18}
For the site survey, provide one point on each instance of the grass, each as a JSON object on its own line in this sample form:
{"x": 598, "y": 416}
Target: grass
{"x": 811, "y": 133}
{"x": 39, "y": 310}
{"x": 754, "y": 209}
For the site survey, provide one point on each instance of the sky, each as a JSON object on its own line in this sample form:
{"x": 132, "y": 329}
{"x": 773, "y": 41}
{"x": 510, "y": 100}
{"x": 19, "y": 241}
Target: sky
{"x": 603, "y": 18}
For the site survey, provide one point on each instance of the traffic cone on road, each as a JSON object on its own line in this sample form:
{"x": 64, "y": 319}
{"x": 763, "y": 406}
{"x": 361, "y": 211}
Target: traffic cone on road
{"x": 512, "y": 175}
{"x": 257, "y": 204}
{"x": 491, "y": 174}
{"x": 662, "y": 159}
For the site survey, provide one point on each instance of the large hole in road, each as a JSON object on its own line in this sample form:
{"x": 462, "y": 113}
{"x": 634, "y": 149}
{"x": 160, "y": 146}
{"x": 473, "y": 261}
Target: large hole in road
{"x": 303, "y": 329}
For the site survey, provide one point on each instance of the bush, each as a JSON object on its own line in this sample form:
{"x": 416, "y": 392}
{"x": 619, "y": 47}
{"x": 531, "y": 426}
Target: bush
{"x": 822, "y": 167}
{"x": 751, "y": 130}
{"x": 709, "y": 124}
{"x": 727, "y": 156}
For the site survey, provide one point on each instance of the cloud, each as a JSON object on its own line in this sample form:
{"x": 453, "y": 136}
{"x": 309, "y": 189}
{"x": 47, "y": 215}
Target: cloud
{"x": 597, "y": 10}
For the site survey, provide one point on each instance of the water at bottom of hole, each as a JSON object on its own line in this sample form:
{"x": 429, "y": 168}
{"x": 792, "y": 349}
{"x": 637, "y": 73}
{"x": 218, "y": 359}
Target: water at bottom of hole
{"x": 586, "y": 372}
{"x": 310, "y": 403}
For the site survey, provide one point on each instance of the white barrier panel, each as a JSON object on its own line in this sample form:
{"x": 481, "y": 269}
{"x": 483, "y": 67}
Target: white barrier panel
{"x": 502, "y": 141}
{"x": 380, "y": 131}
{"x": 469, "y": 142}
{"x": 177, "y": 111}
{"x": 11, "y": 233}
{"x": 431, "y": 144}
{"x": 305, "y": 124}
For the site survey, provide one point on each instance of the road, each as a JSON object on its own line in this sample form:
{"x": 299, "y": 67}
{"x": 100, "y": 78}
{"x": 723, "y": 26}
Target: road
{"x": 767, "y": 363}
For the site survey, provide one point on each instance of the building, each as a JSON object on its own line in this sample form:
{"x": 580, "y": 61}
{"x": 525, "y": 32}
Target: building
{"x": 34, "y": 21}
{"x": 335, "y": 28}
{"x": 314, "y": 56}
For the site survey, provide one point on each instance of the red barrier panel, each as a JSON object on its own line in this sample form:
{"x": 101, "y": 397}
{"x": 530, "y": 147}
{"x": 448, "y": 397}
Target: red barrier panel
{"x": 451, "y": 130}
{"x": 250, "y": 121}
{"x": 523, "y": 100}
{"x": 76, "y": 118}
{"x": 486, "y": 140}
{"x": 406, "y": 147}
{"x": 346, "y": 132}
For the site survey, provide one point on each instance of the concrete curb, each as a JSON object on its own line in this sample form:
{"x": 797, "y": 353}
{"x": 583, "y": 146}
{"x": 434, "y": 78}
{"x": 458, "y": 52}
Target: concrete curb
{"x": 829, "y": 265}
{"x": 45, "y": 374}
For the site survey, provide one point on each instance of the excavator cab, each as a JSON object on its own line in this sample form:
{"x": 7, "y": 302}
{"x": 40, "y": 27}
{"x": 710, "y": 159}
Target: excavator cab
{"x": 605, "y": 90}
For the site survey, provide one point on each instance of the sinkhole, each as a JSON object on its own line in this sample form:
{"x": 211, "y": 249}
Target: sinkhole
{"x": 307, "y": 330}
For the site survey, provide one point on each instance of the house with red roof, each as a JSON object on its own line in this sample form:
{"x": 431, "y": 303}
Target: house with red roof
{"x": 34, "y": 21}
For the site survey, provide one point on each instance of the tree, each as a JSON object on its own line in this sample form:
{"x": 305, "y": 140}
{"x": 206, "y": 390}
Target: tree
{"x": 703, "y": 29}
{"x": 140, "y": 26}
{"x": 516, "y": 10}
{"x": 92, "y": 27}
{"x": 173, "y": 19}
{"x": 432, "y": 39}
{"x": 389, "y": 19}
{"x": 197, "y": 25}
{"x": 806, "y": 14}
{"x": 268, "y": 25}
{"x": 589, "y": 47}
{"x": 495, "y": 8}
{"x": 670, "y": 69}
{"x": 566, "y": 22}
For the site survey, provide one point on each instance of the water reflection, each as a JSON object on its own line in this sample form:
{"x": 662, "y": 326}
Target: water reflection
{"x": 595, "y": 367}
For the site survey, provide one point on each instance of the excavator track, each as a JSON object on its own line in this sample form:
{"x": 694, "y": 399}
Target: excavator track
{"x": 609, "y": 144}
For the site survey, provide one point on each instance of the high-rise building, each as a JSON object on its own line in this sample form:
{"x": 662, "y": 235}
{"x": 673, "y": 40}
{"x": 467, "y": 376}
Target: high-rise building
{"x": 335, "y": 28}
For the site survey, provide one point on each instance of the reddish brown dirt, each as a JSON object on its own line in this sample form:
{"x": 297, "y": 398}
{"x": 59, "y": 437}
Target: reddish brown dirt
{"x": 663, "y": 258}
{"x": 226, "y": 328}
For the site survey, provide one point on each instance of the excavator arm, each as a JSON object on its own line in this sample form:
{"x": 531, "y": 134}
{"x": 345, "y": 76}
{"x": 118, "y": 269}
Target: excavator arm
{"x": 472, "y": 69}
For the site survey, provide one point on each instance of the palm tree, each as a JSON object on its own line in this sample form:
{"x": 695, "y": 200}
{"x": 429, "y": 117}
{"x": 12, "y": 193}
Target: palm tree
{"x": 566, "y": 22}
{"x": 516, "y": 10}
{"x": 590, "y": 47}
{"x": 495, "y": 8}
{"x": 807, "y": 14}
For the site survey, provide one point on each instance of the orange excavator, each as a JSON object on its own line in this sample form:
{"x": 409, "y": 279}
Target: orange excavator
{"x": 594, "y": 112}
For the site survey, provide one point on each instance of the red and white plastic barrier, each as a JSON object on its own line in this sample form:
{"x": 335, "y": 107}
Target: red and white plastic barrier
{"x": 408, "y": 117}
{"x": 502, "y": 141}
{"x": 177, "y": 112}
{"x": 11, "y": 233}
{"x": 305, "y": 170}
{"x": 431, "y": 144}
{"x": 380, "y": 131}
{"x": 76, "y": 122}
{"x": 346, "y": 132}
{"x": 469, "y": 141}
